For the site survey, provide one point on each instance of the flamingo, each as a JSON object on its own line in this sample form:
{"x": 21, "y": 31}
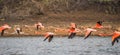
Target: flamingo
{"x": 3, "y": 28}
{"x": 18, "y": 30}
{"x": 88, "y": 32}
{"x": 115, "y": 37}
{"x": 49, "y": 35}
{"x": 39, "y": 25}
{"x": 99, "y": 25}
{"x": 72, "y": 32}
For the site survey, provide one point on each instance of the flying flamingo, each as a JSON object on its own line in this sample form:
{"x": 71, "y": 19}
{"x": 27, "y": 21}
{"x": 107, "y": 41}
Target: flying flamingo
{"x": 39, "y": 25}
{"x": 115, "y": 37}
{"x": 3, "y": 28}
{"x": 88, "y": 32}
{"x": 72, "y": 32}
{"x": 18, "y": 30}
{"x": 49, "y": 36}
{"x": 99, "y": 24}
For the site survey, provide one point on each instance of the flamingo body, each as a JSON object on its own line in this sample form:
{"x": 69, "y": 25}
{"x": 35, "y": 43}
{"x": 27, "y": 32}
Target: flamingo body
{"x": 88, "y": 32}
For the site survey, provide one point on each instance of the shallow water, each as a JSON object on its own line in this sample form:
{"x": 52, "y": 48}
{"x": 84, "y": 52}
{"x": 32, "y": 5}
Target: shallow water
{"x": 58, "y": 46}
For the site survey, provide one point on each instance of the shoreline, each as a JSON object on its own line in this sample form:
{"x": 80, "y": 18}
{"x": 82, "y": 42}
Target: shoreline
{"x": 62, "y": 22}
{"x": 6, "y": 36}
{"x": 30, "y": 31}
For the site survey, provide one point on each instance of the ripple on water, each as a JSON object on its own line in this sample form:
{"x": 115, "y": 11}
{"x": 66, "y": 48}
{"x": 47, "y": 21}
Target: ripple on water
{"x": 58, "y": 46}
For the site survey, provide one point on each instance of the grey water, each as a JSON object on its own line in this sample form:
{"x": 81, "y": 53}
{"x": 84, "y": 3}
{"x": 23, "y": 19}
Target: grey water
{"x": 58, "y": 46}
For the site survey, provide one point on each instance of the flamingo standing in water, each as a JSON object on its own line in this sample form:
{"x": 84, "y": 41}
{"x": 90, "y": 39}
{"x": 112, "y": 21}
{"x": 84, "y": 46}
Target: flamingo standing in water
{"x": 115, "y": 37}
{"x": 49, "y": 36}
{"x": 88, "y": 32}
{"x": 3, "y": 28}
{"x": 99, "y": 24}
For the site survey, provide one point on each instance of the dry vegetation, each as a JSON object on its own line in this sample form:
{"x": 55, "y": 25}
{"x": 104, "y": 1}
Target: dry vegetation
{"x": 23, "y": 8}
{"x": 59, "y": 13}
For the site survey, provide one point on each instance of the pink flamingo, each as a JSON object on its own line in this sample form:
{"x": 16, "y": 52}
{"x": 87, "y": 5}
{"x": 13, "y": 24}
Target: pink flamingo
{"x": 99, "y": 25}
{"x": 18, "y": 30}
{"x": 49, "y": 36}
{"x": 88, "y": 32}
{"x": 39, "y": 25}
{"x": 115, "y": 37}
{"x": 72, "y": 33}
{"x": 72, "y": 30}
{"x": 3, "y": 28}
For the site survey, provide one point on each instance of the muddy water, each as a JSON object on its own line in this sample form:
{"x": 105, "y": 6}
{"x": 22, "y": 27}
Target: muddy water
{"x": 59, "y": 46}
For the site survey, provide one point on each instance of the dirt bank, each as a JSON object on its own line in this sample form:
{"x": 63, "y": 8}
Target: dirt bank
{"x": 62, "y": 21}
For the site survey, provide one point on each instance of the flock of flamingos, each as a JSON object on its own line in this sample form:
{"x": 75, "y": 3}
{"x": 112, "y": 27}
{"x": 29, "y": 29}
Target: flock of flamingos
{"x": 72, "y": 31}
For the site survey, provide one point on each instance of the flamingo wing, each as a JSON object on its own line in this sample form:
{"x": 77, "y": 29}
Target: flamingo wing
{"x": 88, "y": 33}
{"x": 71, "y": 35}
{"x": 114, "y": 38}
{"x": 1, "y": 28}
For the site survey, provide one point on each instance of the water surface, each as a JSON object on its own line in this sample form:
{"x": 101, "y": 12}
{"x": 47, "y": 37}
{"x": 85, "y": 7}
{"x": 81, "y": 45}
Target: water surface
{"x": 58, "y": 46}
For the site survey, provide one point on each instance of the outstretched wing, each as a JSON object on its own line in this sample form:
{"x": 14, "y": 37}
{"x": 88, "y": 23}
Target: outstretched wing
{"x": 114, "y": 38}
{"x": 88, "y": 33}
{"x": 1, "y": 28}
{"x": 71, "y": 35}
